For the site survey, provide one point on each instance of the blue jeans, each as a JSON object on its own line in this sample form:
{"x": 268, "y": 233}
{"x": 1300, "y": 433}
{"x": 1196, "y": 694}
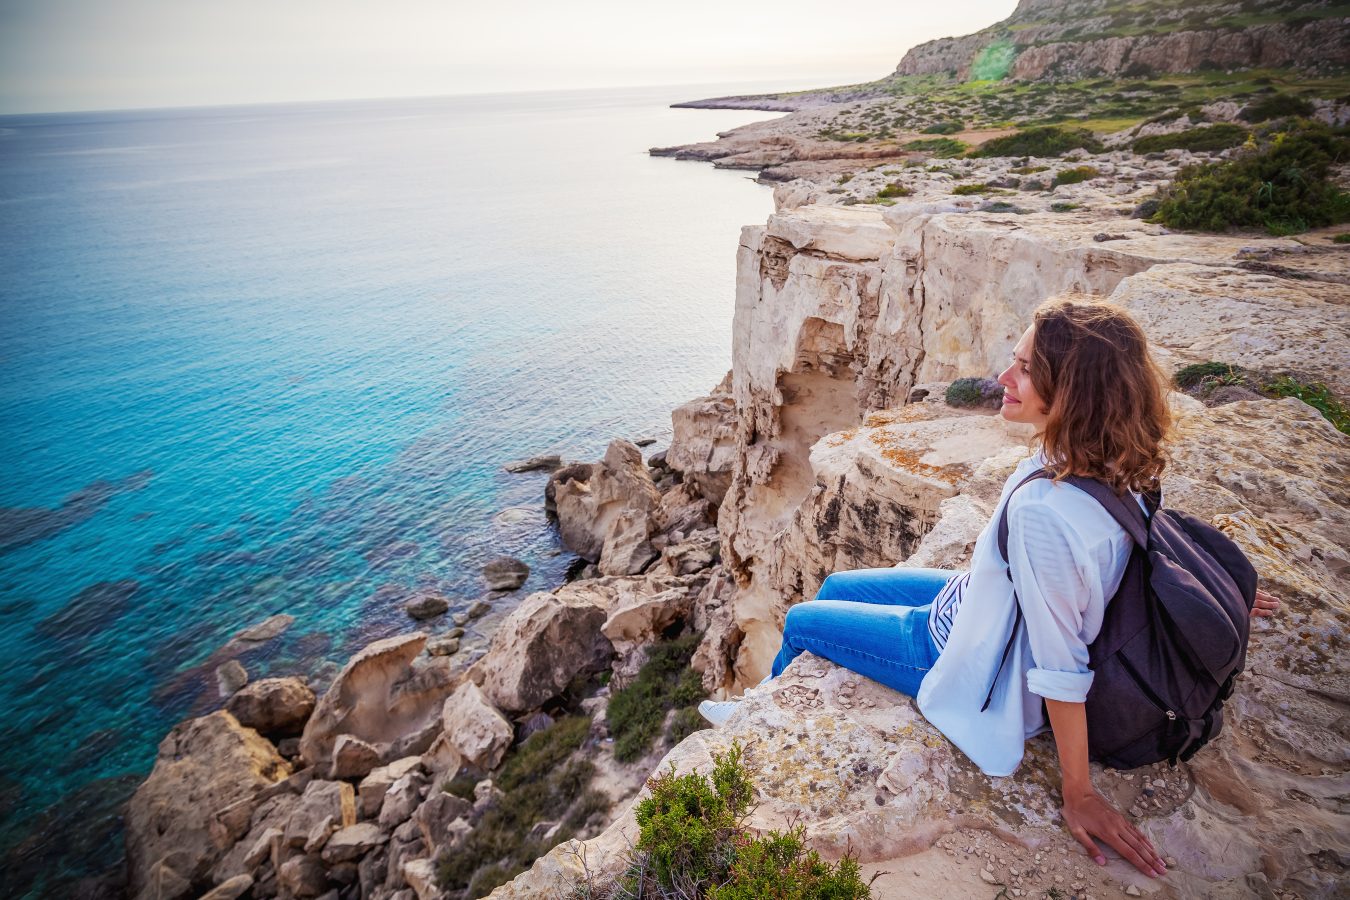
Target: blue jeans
{"x": 873, "y": 621}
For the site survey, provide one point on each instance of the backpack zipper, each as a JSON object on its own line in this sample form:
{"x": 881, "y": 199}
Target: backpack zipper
{"x": 1144, "y": 688}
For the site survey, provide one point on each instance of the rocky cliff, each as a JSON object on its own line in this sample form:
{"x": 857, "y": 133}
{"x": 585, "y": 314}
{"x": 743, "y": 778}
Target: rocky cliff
{"x": 1062, "y": 40}
{"x": 847, "y": 322}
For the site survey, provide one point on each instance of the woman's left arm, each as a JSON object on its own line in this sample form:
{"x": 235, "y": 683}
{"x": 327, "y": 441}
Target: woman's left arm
{"x": 1086, "y": 812}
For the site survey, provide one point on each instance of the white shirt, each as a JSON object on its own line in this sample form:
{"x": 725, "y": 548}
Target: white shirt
{"x": 1067, "y": 556}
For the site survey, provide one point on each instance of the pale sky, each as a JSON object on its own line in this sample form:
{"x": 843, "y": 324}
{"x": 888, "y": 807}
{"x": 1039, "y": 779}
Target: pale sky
{"x": 58, "y": 55}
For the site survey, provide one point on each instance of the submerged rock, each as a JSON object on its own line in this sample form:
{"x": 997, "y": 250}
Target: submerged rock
{"x": 505, "y": 573}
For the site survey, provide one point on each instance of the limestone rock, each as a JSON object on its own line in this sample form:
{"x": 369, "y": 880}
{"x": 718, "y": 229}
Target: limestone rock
{"x": 274, "y": 706}
{"x": 505, "y": 573}
{"x": 331, "y": 801}
{"x": 231, "y": 889}
{"x": 380, "y": 695}
{"x": 633, "y": 626}
{"x": 475, "y": 728}
{"x": 435, "y": 815}
{"x": 353, "y": 842}
{"x": 605, "y": 513}
{"x": 541, "y": 646}
{"x": 374, "y": 786}
{"x": 420, "y": 875}
{"x": 443, "y": 645}
{"x": 353, "y": 757}
{"x": 703, "y": 445}
{"x": 546, "y": 461}
{"x": 402, "y": 798}
{"x": 230, "y": 677}
{"x": 303, "y": 876}
{"x": 203, "y": 765}
{"x": 427, "y": 606}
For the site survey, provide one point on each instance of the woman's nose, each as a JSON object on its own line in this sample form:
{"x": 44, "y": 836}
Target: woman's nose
{"x": 1004, "y": 377}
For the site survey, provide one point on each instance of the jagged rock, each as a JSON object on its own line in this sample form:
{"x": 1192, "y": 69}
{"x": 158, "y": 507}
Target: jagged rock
{"x": 371, "y": 873}
{"x": 303, "y": 876}
{"x": 606, "y": 514}
{"x": 381, "y": 694}
{"x": 318, "y": 835}
{"x": 322, "y": 800}
{"x": 427, "y": 606}
{"x": 420, "y": 874}
{"x": 402, "y": 798}
{"x": 231, "y": 889}
{"x": 274, "y": 706}
{"x": 353, "y": 842}
{"x": 703, "y": 446}
{"x": 541, "y": 646}
{"x": 353, "y": 757}
{"x": 164, "y": 880}
{"x": 435, "y": 815}
{"x": 505, "y": 573}
{"x": 374, "y": 786}
{"x": 478, "y": 609}
{"x": 633, "y": 626}
{"x": 442, "y": 758}
{"x": 203, "y": 765}
{"x": 230, "y": 677}
{"x": 475, "y": 728}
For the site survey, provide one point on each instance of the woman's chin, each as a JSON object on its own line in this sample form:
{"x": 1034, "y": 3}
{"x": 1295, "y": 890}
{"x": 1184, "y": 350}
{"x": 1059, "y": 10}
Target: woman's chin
{"x": 1009, "y": 411}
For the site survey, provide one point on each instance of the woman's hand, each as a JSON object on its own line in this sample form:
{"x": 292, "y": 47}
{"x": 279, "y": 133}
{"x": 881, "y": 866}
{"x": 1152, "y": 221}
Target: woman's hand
{"x": 1265, "y": 605}
{"x": 1088, "y": 814}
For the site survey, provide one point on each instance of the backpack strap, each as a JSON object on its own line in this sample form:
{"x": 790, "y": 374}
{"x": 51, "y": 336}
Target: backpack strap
{"x": 1126, "y": 513}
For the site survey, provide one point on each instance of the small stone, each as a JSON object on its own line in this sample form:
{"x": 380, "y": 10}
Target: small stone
{"x": 460, "y": 618}
{"x": 1132, "y": 891}
{"x": 479, "y": 609}
{"x": 1169, "y": 861}
{"x": 987, "y": 876}
{"x": 443, "y": 646}
{"x": 505, "y": 573}
{"x": 230, "y": 677}
{"x": 1158, "y": 782}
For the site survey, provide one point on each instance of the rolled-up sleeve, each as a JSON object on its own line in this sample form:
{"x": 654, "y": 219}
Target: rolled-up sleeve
{"x": 1055, "y": 578}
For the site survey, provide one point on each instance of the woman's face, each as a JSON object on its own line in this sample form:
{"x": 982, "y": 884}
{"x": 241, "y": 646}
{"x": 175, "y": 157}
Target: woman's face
{"x": 1021, "y": 403}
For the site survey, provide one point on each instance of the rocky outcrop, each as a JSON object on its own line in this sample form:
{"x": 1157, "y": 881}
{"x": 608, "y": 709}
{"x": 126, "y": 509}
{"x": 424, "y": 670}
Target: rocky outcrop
{"x": 607, "y": 512}
{"x": 383, "y": 693}
{"x": 703, "y": 445}
{"x": 1057, "y": 39}
{"x": 273, "y": 706}
{"x": 203, "y": 765}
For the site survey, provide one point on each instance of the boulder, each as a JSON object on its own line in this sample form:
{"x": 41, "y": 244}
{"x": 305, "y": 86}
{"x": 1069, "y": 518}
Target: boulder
{"x": 435, "y": 815}
{"x": 303, "y": 876}
{"x": 402, "y": 798}
{"x": 475, "y": 728}
{"x": 632, "y": 626}
{"x": 374, "y": 786}
{"x": 231, "y": 889}
{"x": 443, "y": 645}
{"x": 381, "y": 694}
{"x": 353, "y": 757}
{"x": 420, "y": 874}
{"x": 546, "y": 461}
{"x": 607, "y": 514}
{"x": 353, "y": 842}
{"x": 540, "y": 647}
{"x": 427, "y": 606}
{"x": 505, "y": 573}
{"x": 703, "y": 444}
{"x": 333, "y": 802}
{"x": 203, "y": 766}
{"x": 230, "y": 677}
{"x": 274, "y": 706}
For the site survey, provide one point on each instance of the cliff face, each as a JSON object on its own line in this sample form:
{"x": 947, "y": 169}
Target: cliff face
{"x": 842, "y": 316}
{"x": 1057, "y": 39}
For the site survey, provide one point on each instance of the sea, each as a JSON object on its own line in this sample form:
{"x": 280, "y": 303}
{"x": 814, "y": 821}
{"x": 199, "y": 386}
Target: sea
{"x": 272, "y": 360}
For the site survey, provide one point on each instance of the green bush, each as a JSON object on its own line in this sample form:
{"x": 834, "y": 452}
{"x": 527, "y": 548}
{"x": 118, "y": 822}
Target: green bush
{"x": 542, "y": 752}
{"x": 1315, "y": 394}
{"x": 1283, "y": 186}
{"x": 965, "y": 190}
{"x": 1276, "y": 106}
{"x": 691, "y": 844}
{"x": 1075, "y": 175}
{"x": 1061, "y": 206}
{"x": 665, "y": 682}
{"x": 894, "y": 189}
{"x": 941, "y": 147}
{"x": 1049, "y": 140}
{"x": 1202, "y": 379}
{"x": 1342, "y": 238}
{"x": 1209, "y": 138}
{"x": 951, "y": 126}
{"x": 1029, "y": 170}
{"x": 968, "y": 393}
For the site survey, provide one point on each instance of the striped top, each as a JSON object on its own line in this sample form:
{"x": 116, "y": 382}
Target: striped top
{"x": 943, "y": 611}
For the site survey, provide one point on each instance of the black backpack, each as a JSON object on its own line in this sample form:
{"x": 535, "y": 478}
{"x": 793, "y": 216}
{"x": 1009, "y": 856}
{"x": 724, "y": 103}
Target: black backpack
{"x": 1173, "y": 637}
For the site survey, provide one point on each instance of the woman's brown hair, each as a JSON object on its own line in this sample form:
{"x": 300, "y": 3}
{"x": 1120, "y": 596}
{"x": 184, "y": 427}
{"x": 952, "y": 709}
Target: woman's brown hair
{"x": 1105, "y": 395}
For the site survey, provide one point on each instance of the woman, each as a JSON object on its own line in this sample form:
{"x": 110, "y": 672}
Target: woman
{"x": 1083, "y": 377}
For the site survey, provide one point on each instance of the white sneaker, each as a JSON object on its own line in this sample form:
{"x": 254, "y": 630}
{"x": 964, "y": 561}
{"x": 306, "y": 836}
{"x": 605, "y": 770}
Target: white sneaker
{"x": 717, "y": 711}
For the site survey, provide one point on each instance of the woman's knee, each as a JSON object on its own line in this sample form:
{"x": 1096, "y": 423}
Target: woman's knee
{"x": 831, "y": 586}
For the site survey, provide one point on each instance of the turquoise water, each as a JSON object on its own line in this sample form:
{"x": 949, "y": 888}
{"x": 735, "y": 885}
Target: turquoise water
{"x": 272, "y": 359}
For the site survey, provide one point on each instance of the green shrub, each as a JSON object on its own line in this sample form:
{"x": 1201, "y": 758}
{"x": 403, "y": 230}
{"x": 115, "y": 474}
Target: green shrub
{"x": 969, "y": 393}
{"x": 844, "y": 179}
{"x": 1315, "y": 394}
{"x": 1283, "y": 186}
{"x": 894, "y": 189}
{"x": 965, "y": 190}
{"x": 461, "y": 786}
{"x": 1211, "y": 374}
{"x": 1061, "y": 206}
{"x": 1210, "y": 138}
{"x": 1049, "y": 140}
{"x": 691, "y": 844}
{"x": 1342, "y": 238}
{"x": 542, "y": 752}
{"x": 665, "y": 682}
{"x": 1029, "y": 170}
{"x": 951, "y": 126}
{"x": 1276, "y": 106}
{"x": 1075, "y": 175}
{"x": 941, "y": 147}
